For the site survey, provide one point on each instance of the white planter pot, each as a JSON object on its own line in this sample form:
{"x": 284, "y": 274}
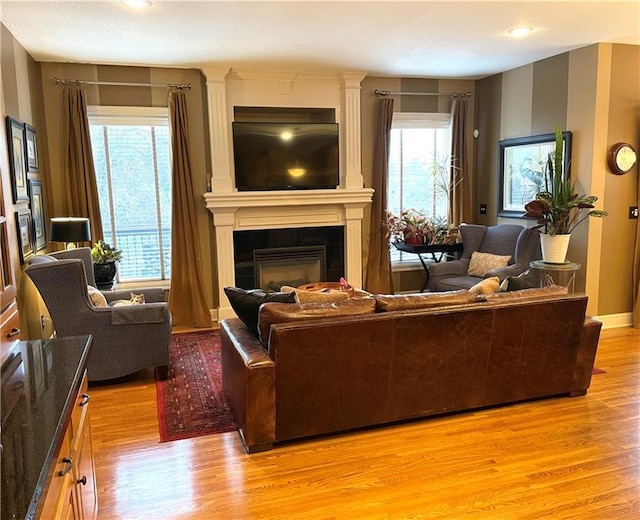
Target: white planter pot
{"x": 554, "y": 248}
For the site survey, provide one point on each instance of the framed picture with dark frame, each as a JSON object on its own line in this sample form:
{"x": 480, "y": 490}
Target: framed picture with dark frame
{"x": 37, "y": 214}
{"x": 23, "y": 221}
{"x": 17, "y": 159}
{"x": 523, "y": 166}
{"x": 31, "y": 148}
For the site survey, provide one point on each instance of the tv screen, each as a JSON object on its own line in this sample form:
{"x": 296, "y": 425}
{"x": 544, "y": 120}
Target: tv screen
{"x": 285, "y": 156}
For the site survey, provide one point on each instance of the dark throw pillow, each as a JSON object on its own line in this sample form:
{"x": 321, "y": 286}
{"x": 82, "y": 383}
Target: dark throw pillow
{"x": 246, "y": 303}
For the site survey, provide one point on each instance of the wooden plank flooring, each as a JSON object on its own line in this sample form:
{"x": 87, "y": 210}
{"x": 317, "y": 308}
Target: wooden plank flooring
{"x": 564, "y": 458}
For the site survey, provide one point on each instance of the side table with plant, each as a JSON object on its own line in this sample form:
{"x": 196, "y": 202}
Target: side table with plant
{"x": 104, "y": 258}
{"x": 414, "y": 228}
{"x": 559, "y": 209}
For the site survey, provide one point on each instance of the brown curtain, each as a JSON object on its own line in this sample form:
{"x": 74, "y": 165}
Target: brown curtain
{"x": 186, "y": 297}
{"x": 461, "y": 202}
{"x": 636, "y": 273}
{"x": 80, "y": 180}
{"x": 378, "y": 263}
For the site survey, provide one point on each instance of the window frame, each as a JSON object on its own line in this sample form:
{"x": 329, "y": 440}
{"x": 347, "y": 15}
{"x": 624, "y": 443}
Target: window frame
{"x": 104, "y": 115}
{"x": 408, "y": 121}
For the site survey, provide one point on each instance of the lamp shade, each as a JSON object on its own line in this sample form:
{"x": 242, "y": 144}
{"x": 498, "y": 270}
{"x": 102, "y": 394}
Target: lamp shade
{"x": 69, "y": 229}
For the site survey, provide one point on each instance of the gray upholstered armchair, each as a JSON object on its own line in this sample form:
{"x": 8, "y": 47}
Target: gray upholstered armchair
{"x": 125, "y": 339}
{"x": 523, "y": 244}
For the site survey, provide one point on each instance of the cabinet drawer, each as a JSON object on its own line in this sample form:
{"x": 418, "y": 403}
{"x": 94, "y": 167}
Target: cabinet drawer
{"x": 10, "y": 327}
{"x": 56, "y": 495}
{"x": 79, "y": 414}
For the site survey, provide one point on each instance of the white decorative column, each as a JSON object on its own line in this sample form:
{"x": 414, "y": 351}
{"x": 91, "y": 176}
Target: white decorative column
{"x": 351, "y": 130}
{"x": 221, "y": 178}
{"x": 224, "y": 221}
{"x": 353, "y": 214}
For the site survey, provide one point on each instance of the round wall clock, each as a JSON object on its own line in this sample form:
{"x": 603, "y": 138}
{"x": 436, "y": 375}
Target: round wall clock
{"x": 622, "y": 157}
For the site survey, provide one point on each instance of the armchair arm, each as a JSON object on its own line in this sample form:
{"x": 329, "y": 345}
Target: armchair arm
{"x": 151, "y": 294}
{"x": 145, "y": 313}
{"x": 504, "y": 272}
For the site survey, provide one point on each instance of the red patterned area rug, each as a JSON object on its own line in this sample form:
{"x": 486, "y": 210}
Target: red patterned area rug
{"x": 190, "y": 401}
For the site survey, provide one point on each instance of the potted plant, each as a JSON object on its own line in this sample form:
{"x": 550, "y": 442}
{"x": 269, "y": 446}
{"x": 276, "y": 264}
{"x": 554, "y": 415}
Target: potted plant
{"x": 414, "y": 228}
{"x": 558, "y": 208}
{"x": 104, "y": 258}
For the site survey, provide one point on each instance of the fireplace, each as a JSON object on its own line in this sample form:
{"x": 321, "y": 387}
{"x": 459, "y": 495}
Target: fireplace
{"x": 292, "y": 266}
{"x": 270, "y": 258}
{"x": 232, "y": 91}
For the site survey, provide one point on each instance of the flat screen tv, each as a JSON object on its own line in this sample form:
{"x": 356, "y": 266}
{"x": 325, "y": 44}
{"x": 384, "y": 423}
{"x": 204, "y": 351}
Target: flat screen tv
{"x": 285, "y": 156}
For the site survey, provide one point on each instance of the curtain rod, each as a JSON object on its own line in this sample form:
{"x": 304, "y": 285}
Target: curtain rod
{"x": 450, "y": 94}
{"x": 82, "y": 82}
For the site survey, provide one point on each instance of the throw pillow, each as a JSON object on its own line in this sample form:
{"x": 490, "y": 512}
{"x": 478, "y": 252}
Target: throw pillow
{"x": 273, "y": 313}
{"x": 486, "y": 286}
{"x": 246, "y": 303}
{"x": 324, "y": 296}
{"x": 96, "y": 297}
{"x": 480, "y": 263}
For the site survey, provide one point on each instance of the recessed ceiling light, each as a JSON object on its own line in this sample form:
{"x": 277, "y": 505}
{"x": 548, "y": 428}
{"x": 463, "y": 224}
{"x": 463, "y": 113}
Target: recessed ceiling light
{"x": 138, "y": 4}
{"x": 520, "y": 31}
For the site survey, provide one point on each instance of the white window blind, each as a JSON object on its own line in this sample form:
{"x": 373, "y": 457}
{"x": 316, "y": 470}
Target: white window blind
{"x": 419, "y": 159}
{"x": 131, "y": 152}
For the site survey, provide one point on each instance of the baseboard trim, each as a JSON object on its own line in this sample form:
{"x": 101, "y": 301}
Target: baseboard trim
{"x": 214, "y": 315}
{"x": 616, "y": 321}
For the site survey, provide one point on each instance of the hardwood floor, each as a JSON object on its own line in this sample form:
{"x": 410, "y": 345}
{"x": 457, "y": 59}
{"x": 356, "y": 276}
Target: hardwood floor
{"x": 564, "y": 458}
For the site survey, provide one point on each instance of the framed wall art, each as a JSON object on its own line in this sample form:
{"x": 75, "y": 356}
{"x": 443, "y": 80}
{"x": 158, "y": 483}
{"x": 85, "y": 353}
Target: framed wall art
{"x": 23, "y": 221}
{"x": 17, "y": 159}
{"x": 31, "y": 148}
{"x": 522, "y": 164}
{"x": 37, "y": 214}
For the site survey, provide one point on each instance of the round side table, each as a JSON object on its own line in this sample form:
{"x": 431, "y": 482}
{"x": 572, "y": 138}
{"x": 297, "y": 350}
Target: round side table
{"x": 557, "y": 274}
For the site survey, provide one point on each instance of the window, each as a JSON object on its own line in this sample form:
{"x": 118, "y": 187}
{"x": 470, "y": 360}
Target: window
{"x": 419, "y": 165}
{"x": 132, "y": 159}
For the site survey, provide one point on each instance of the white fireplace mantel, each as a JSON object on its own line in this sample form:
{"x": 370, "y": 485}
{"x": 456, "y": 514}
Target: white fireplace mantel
{"x": 253, "y": 210}
{"x": 243, "y": 211}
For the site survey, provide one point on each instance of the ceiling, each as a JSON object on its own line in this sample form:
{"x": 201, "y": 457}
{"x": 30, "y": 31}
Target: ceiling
{"x": 443, "y": 39}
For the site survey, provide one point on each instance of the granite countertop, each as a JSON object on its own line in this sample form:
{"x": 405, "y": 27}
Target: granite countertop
{"x": 40, "y": 381}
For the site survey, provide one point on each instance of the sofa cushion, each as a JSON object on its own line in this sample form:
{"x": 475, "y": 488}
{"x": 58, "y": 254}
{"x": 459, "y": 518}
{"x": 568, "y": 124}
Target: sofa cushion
{"x": 323, "y": 296}
{"x": 480, "y": 263}
{"x": 486, "y": 286}
{"x": 246, "y": 303}
{"x": 535, "y": 293}
{"x": 403, "y": 302}
{"x": 272, "y": 313}
{"x": 97, "y": 298}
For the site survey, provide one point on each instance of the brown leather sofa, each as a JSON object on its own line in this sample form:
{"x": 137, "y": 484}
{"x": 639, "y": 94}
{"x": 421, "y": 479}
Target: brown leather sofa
{"x": 331, "y": 374}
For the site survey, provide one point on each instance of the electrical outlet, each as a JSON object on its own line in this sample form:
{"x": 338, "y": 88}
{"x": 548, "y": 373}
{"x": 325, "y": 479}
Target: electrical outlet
{"x": 42, "y": 321}
{"x": 483, "y": 209}
{"x": 633, "y": 211}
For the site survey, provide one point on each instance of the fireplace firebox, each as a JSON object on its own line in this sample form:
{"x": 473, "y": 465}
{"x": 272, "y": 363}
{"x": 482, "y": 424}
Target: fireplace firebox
{"x": 270, "y": 258}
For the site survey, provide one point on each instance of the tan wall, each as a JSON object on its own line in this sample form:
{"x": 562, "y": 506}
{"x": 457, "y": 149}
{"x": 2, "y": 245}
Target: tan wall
{"x": 22, "y": 100}
{"x": 488, "y": 117}
{"x": 620, "y": 191}
{"x": 595, "y": 93}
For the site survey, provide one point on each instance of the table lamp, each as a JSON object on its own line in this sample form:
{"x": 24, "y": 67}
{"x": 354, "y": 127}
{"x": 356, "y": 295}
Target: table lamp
{"x": 69, "y": 230}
